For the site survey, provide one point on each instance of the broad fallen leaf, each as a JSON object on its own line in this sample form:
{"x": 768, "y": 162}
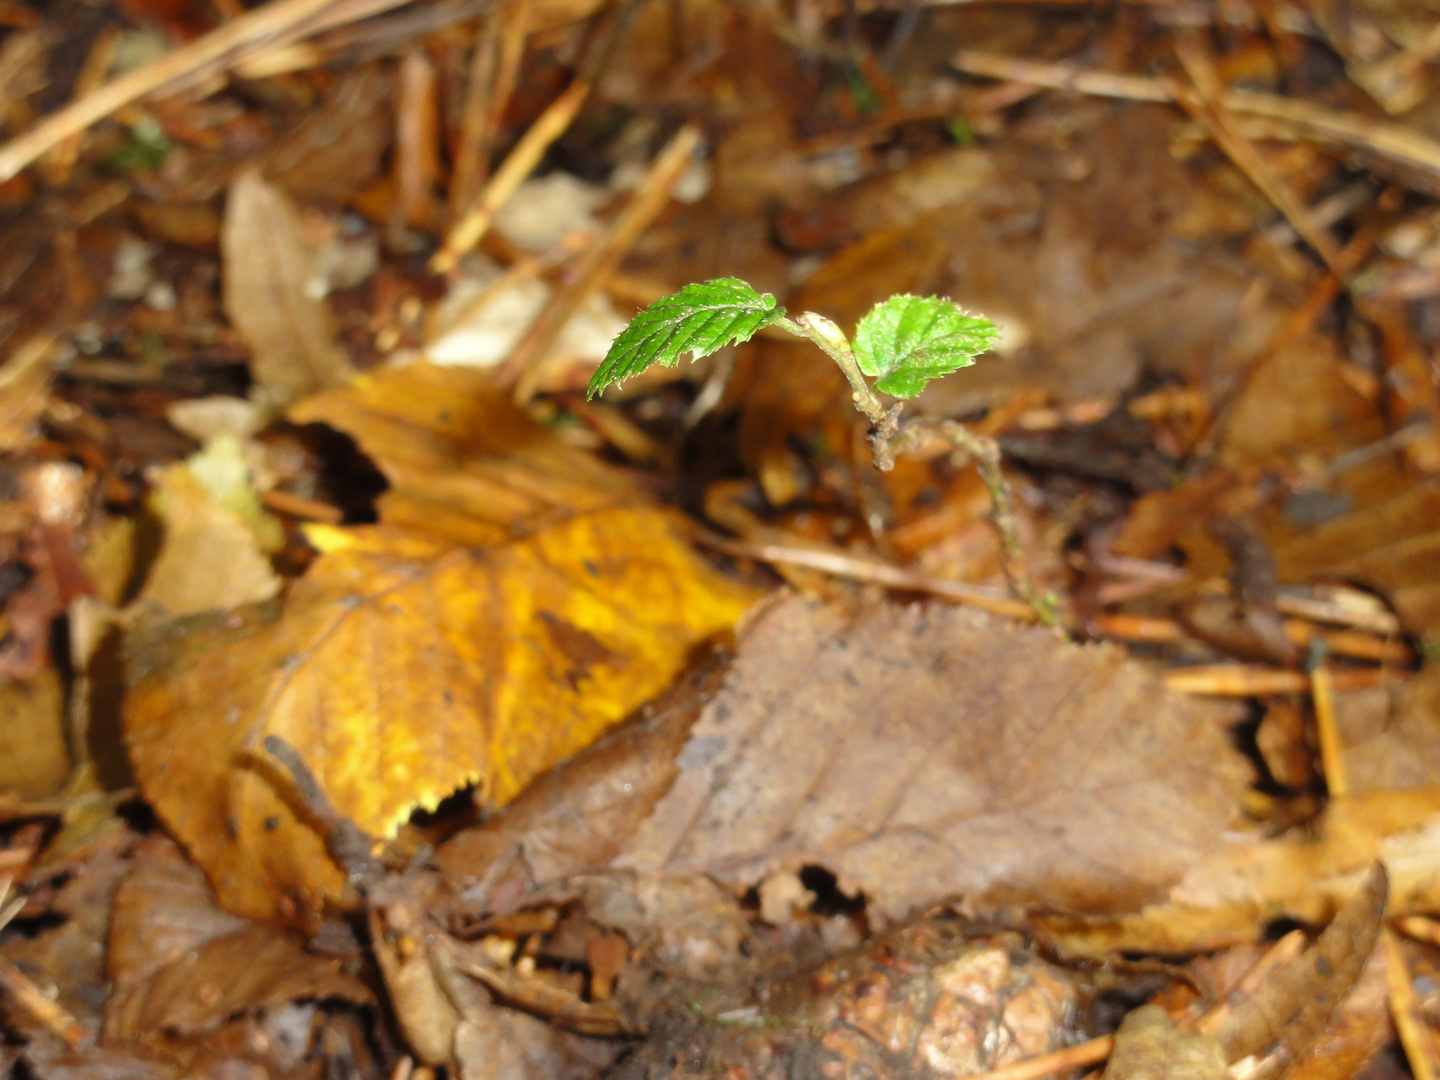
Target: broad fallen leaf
{"x": 268, "y": 267}
{"x": 916, "y": 753}
{"x": 516, "y": 599}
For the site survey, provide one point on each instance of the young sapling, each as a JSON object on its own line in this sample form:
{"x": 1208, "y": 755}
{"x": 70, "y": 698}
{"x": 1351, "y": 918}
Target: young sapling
{"x": 902, "y": 343}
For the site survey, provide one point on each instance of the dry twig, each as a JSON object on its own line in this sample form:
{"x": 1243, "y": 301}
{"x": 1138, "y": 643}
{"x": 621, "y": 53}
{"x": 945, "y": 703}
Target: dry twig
{"x": 223, "y": 47}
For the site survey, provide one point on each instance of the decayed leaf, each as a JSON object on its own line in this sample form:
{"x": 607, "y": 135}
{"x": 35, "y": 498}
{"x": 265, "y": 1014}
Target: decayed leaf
{"x": 180, "y": 966}
{"x": 208, "y": 557}
{"x": 516, "y": 599}
{"x": 1148, "y": 1046}
{"x": 1358, "y": 1030}
{"x": 267, "y": 269}
{"x": 1402, "y": 746}
{"x": 925, "y": 752}
{"x": 918, "y": 753}
{"x": 1293, "y": 1007}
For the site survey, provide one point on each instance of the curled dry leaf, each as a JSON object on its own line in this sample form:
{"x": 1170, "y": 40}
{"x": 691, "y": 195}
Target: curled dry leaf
{"x": 917, "y": 753}
{"x": 516, "y": 599}
{"x": 1292, "y": 1008}
{"x": 268, "y": 267}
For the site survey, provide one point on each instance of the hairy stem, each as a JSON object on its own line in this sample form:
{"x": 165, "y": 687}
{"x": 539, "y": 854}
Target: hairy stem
{"x": 829, "y": 337}
{"x": 888, "y": 440}
{"x": 986, "y": 453}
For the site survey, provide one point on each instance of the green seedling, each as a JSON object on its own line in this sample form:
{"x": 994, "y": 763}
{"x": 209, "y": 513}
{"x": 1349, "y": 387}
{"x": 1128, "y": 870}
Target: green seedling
{"x": 902, "y": 343}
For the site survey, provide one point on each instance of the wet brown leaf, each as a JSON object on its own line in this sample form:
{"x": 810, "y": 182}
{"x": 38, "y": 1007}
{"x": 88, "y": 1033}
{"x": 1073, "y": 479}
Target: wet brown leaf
{"x": 268, "y": 271}
{"x": 517, "y": 599}
{"x": 1148, "y": 1046}
{"x": 919, "y": 753}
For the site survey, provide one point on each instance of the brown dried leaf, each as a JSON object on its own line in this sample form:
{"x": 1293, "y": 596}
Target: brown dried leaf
{"x": 335, "y": 151}
{"x": 1292, "y": 1008}
{"x": 577, "y": 817}
{"x": 181, "y": 967}
{"x": 836, "y": 742}
{"x": 1359, "y": 1030}
{"x": 1148, "y": 1046}
{"x": 517, "y": 599}
{"x": 924, "y": 752}
{"x": 268, "y": 268}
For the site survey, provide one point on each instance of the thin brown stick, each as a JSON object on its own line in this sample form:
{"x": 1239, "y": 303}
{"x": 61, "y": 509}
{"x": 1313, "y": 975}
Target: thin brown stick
{"x": 860, "y": 568}
{"x": 61, "y": 162}
{"x": 298, "y": 506}
{"x": 224, "y": 44}
{"x": 1277, "y": 956}
{"x": 522, "y": 369}
{"x": 472, "y": 150}
{"x": 520, "y": 163}
{"x": 1335, "y": 614}
{"x": 1072, "y": 1057}
{"x": 1409, "y": 1015}
{"x": 1420, "y": 927}
{"x": 1415, "y": 155}
{"x": 1327, "y": 731}
{"x": 985, "y": 452}
{"x": 1205, "y": 104}
{"x": 1245, "y": 680}
{"x": 51, "y": 1014}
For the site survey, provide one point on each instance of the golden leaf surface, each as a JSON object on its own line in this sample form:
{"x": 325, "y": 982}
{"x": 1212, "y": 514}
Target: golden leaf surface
{"x": 516, "y": 599}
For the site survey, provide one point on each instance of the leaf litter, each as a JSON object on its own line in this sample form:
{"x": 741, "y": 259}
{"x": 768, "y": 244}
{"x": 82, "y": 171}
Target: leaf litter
{"x": 1215, "y": 454}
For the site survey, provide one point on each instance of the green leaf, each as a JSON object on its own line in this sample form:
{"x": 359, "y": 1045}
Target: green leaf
{"x": 700, "y": 319}
{"x": 909, "y": 340}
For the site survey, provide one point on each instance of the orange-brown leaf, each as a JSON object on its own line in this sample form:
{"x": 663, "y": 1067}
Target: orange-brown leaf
{"x": 516, "y": 600}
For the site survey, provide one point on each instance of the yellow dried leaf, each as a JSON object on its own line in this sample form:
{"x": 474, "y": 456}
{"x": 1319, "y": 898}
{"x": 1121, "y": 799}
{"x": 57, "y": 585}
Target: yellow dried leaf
{"x": 516, "y": 599}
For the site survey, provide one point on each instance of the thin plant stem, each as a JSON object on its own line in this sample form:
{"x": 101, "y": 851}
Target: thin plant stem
{"x": 828, "y": 336}
{"x": 888, "y": 440}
